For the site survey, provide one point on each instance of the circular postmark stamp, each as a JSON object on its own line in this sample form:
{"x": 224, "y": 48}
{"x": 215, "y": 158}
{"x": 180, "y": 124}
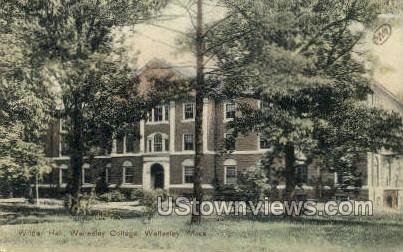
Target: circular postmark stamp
{"x": 382, "y": 34}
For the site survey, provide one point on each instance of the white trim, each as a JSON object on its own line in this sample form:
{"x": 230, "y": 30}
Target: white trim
{"x": 131, "y": 186}
{"x": 142, "y": 137}
{"x": 61, "y": 168}
{"x": 230, "y": 162}
{"x": 176, "y": 153}
{"x": 188, "y": 186}
{"x": 172, "y": 126}
{"x": 123, "y": 155}
{"x": 156, "y": 159}
{"x": 206, "y": 112}
{"x": 85, "y": 166}
{"x": 114, "y": 146}
{"x": 61, "y": 158}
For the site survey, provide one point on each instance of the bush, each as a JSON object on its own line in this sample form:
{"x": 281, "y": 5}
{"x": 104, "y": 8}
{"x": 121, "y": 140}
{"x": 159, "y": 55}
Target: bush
{"x": 113, "y": 196}
{"x": 136, "y": 194}
{"x": 252, "y": 185}
{"x": 149, "y": 201}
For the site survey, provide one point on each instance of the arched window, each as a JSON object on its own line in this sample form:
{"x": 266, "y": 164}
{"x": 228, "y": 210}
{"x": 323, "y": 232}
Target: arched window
{"x": 128, "y": 172}
{"x": 158, "y": 142}
{"x": 86, "y": 172}
{"x": 230, "y": 172}
{"x": 188, "y": 171}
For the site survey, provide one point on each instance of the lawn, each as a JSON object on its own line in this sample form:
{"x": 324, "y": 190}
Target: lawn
{"x": 55, "y": 231}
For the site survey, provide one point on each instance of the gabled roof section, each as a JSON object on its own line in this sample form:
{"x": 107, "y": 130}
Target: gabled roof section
{"x": 157, "y": 63}
{"x": 384, "y": 90}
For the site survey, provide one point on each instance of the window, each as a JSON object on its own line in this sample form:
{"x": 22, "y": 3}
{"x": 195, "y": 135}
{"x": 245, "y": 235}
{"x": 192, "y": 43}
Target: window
{"x": 188, "y": 173}
{"x": 338, "y": 178}
{"x": 231, "y": 176}
{"x": 150, "y": 145}
{"x": 120, "y": 144}
{"x": 263, "y": 144}
{"x": 86, "y": 174}
{"x": 166, "y": 107}
{"x": 166, "y": 144}
{"x": 63, "y": 174}
{"x": 389, "y": 174}
{"x": 63, "y": 146}
{"x": 130, "y": 140}
{"x": 64, "y": 125}
{"x": 188, "y": 142}
{"x": 128, "y": 173}
{"x": 230, "y": 141}
{"x": 302, "y": 174}
{"x": 107, "y": 170}
{"x": 158, "y": 114}
{"x": 230, "y": 109}
{"x": 264, "y": 104}
{"x": 188, "y": 111}
{"x": 157, "y": 143}
{"x": 230, "y": 172}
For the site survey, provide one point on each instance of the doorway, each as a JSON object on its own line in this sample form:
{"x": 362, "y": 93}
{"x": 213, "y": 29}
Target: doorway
{"x": 157, "y": 176}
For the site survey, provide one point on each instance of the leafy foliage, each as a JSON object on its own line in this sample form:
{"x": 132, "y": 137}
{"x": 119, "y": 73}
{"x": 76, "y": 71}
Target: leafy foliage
{"x": 300, "y": 59}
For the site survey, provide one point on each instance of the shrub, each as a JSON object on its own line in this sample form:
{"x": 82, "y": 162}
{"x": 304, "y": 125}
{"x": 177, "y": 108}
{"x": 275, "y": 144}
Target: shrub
{"x": 113, "y": 196}
{"x": 252, "y": 184}
{"x": 149, "y": 201}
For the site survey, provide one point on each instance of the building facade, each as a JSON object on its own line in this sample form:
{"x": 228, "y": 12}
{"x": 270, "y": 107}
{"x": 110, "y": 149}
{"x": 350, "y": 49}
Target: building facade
{"x": 163, "y": 155}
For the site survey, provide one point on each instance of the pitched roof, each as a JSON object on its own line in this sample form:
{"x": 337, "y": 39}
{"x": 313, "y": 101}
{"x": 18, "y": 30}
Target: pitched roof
{"x": 157, "y": 63}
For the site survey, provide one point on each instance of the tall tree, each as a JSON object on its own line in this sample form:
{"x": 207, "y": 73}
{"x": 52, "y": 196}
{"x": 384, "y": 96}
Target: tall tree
{"x": 25, "y": 102}
{"x": 98, "y": 90}
{"x": 200, "y": 86}
{"x": 300, "y": 59}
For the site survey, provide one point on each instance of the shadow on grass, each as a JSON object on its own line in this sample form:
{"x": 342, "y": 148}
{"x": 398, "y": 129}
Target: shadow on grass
{"x": 29, "y": 214}
{"x": 320, "y": 220}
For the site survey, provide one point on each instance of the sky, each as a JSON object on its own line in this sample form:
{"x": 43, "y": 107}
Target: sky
{"x": 158, "y": 39}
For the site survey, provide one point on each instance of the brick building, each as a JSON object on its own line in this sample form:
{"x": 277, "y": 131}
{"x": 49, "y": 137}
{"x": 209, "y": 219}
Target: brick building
{"x": 163, "y": 156}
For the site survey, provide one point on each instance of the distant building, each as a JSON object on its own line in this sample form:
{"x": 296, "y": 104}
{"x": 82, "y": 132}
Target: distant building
{"x": 385, "y": 169}
{"x": 163, "y": 156}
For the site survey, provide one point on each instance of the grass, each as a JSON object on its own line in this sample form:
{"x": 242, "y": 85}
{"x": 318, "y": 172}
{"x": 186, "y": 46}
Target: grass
{"x": 382, "y": 232}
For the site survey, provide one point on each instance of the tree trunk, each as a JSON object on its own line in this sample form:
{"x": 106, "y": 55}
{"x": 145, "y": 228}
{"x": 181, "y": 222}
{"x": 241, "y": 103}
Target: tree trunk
{"x": 290, "y": 173}
{"x": 76, "y": 153}
{"x": 198, "y": 170}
